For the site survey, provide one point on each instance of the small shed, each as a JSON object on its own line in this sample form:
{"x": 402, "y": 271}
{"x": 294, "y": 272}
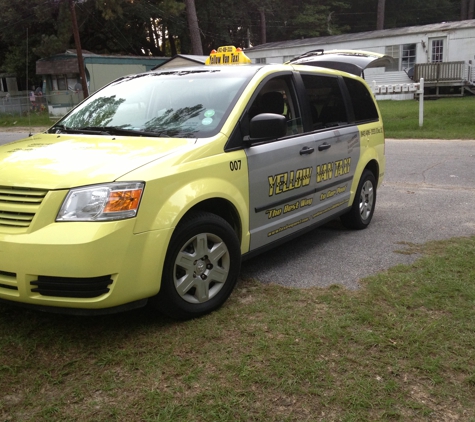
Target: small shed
{"x": 60, "y": 75}
{"x": 443, "y": 54}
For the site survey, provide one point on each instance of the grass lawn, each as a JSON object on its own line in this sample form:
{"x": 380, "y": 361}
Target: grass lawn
{"x": 448, "y": 118}
{"x": 400, "y": 348}
{"x": 33, "y": 120}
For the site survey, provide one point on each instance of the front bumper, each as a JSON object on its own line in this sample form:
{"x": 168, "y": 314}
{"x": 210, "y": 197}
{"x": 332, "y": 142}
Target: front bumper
{"x": 87, "y": 265}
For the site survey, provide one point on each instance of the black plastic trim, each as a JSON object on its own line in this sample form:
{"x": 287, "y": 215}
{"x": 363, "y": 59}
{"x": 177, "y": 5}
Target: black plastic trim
{"x": 265, "y": 248}
{"x": 7, "y": 286}
{"x": 72, "y": 287}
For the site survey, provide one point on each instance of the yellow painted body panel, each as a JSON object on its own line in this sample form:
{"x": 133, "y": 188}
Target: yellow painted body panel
{"x": 63, "y": 161}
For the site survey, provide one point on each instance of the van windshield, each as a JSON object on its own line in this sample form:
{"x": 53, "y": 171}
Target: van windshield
{"x": 175, "y": 103}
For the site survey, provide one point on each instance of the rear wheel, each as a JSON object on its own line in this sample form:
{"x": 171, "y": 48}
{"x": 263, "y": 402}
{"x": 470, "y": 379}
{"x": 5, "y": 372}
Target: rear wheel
{"x": 364, "y": 203}
{"x": 201, "y": 267}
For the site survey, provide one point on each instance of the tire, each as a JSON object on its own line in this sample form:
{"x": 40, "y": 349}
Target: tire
{"x": 201, "y": 267}
{"x": 362, "y": 210}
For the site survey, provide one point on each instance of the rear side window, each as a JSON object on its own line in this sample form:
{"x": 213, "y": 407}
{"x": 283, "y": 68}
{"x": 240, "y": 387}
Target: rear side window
{"x": 326, "y": 101}
{"x": 362, "y": 101}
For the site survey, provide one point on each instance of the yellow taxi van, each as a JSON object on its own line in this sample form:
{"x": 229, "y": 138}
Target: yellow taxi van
{"x": 155, "y": 187}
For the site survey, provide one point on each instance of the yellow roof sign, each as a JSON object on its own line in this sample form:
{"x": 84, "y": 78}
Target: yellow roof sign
{"x": 227, "y": 55}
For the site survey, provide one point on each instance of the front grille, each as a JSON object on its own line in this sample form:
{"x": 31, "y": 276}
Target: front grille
{"x": 8, "y": 280}
{"x": 18, "y": 206}
{"x": 72, "y": 287}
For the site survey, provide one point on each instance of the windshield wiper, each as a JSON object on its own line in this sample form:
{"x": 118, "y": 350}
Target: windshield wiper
{"x": 112, "y": 130}
{"x": 116, "y": 130}
{"x": 87, "y": 131}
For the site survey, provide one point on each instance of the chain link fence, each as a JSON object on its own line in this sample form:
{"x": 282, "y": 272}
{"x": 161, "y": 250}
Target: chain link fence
{"x": 56, "y": 104}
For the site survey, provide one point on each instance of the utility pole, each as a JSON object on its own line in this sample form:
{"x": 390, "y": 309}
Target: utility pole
{"x": 262, "y": 13}
{"x": 77, "y": 41}
{"x": 380, "y": 14}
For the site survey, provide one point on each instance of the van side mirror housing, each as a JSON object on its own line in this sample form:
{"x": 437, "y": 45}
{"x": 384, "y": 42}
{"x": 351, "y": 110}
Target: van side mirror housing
{"x": 266, "y": 126}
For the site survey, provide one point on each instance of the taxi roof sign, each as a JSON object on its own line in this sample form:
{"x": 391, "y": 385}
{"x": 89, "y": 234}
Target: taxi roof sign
{"x": 227, "y": 55}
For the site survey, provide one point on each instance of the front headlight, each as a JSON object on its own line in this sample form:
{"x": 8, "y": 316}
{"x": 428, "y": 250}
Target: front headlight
{"x": 112, "y": 201}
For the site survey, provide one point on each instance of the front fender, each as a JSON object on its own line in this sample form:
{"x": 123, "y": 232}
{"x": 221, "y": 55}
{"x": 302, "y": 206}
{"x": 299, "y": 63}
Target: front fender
{"x": 168, "y": 198}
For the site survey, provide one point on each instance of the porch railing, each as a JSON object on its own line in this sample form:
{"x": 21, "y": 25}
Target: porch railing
{"x": 440, "y": 72}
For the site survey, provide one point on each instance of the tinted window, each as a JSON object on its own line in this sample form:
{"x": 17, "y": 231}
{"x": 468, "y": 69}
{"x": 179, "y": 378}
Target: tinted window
{"x": 362, "y": 100}
{"x": 277, "y": 97}
{"x": 326, "y": 101}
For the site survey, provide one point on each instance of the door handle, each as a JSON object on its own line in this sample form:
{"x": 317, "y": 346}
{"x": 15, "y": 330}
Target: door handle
{"x": 306, "y": 151}
{"x": 324, "y": 146}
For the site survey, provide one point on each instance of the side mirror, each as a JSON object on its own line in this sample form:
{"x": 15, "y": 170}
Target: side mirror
{"x": 266, "y": 126}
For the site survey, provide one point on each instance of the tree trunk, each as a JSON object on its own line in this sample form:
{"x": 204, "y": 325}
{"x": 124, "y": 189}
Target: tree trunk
{"x": 380, "y": 14}
{"x": 192, "y": 17}
{"x": 262, "y": 13}
{"x": 463, "y": 9}
{"x": 471, "y": 9}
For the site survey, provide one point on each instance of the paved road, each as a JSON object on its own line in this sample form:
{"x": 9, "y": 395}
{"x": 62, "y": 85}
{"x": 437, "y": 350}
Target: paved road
{"x": 6, "y": 137}
{"x": 428, "y": 194}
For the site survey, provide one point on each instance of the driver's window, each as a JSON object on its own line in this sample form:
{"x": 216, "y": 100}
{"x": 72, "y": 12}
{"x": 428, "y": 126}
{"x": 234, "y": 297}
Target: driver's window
{"x": 277, "y": 97}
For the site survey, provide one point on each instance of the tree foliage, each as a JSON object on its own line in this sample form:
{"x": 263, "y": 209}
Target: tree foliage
{"x": 41, "y": 28}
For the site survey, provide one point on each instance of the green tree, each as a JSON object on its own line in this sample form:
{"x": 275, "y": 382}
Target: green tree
{"x": 362, "y": 16}
{"x": 140, "y": 27}
{"x": 30, "y": 30}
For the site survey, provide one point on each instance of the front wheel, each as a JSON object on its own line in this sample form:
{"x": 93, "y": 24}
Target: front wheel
{"x": 362, "y": 210}
{"x": 201, "y": 267}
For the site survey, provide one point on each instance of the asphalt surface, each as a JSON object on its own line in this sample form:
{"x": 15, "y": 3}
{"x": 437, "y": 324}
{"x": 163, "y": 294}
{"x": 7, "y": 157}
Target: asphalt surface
{"x": 428, "y": 194}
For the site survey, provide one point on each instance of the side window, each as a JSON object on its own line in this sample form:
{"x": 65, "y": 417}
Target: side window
{"x": 277, "y": 96}
{"x": 362, "y": 101}
{"x": 326, "y": 101}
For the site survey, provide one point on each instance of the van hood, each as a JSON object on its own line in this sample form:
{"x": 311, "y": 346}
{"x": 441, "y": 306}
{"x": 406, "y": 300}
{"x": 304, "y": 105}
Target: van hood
{"x": 351, "y": 61}
{"x": 51, "y": 161}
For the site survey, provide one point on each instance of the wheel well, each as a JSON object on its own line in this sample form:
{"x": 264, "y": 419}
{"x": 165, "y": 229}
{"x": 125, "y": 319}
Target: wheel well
{"x": 373, "y": 167}
{"x": 224, "y": 209}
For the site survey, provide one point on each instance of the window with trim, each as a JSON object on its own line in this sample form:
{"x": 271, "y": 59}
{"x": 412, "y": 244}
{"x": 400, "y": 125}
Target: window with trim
{"x": 437, "y": 50}
{"x": 404, "y": 57}
{"x": 261, "y": 60}
{"x": 408, "y": 58}
{"x": 327, "y": 105}
{"x": 393, "y": 51}
{"x": 61, "y": 82}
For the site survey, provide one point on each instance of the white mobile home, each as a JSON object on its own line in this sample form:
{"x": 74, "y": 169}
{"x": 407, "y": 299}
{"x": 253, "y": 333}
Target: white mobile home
{"x": 443, "y": 54}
